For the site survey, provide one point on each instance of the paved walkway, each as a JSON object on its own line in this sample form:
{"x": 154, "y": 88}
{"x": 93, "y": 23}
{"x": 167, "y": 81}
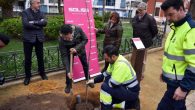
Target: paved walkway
{"x": 190, "y": 102}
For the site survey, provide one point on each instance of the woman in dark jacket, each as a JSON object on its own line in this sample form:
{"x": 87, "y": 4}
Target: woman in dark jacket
{"x": 113, "y": 33}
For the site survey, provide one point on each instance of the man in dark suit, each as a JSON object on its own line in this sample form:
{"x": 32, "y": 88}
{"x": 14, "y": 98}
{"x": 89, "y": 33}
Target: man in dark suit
{"x": 33, "y": 21}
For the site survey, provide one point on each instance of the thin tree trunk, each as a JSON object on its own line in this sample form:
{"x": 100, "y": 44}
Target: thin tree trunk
{"x": 59, "y": 6}
{"x": 154, "y": 7}
{"x": 192, "y": 8}
{"x": 103, "y": 11}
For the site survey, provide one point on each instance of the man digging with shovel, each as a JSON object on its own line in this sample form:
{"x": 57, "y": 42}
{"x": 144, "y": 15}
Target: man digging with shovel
{"x": 72, "y": 40}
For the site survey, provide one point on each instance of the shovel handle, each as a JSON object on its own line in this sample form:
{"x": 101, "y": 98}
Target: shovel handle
{"x": 71, "y": 63}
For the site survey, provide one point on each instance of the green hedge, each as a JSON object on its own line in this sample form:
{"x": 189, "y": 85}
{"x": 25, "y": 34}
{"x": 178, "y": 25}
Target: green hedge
{"x": 13, "y": 26}
{"x": 53, "y": 26}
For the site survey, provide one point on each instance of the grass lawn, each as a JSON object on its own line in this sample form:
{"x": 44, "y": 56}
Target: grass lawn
{"x": 15, "y": 44}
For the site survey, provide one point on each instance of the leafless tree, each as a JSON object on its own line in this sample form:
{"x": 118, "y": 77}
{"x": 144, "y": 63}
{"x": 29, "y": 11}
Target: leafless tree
{"x": 192, "y": 8}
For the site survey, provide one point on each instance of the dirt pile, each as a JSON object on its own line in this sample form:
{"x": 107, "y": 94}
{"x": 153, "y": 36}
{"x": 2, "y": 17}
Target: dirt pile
{"x": 43, "y": 86}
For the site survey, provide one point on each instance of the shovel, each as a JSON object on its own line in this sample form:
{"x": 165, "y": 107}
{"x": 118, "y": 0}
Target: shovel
{"x": 71, "y": 63}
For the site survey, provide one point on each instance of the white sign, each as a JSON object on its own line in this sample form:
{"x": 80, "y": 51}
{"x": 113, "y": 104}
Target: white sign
{"x": 138, "y": 43}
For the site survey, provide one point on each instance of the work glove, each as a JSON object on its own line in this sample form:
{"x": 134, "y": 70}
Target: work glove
{"x": 90, "y": 83}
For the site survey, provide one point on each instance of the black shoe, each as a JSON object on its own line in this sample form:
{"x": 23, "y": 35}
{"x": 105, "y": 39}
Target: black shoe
{"x": 26, "y": 81}
{"x": 67, "y": 89}
{"x": 2, "y": 80}
{"x": 44, "y": 77}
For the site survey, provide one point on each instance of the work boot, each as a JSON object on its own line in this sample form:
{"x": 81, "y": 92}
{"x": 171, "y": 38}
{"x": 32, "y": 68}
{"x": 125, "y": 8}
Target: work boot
{"x": 137, "y": 105}
{"x": 68, "y": 88}
{"x": 44, "y": 77}
{"x": 26, "y": 81}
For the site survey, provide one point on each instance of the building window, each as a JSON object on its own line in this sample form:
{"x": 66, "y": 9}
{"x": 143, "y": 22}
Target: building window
{"x": 99, "y": 2}
{"x": 21, "y": 4}
{"x": 53, "y": 1}
{"x": 42, "y": 1}
{"x": 157, "y": 11}
{"x": 134, "y": 4}
{"x": 43, "y": 8}
{"x": 95, "y": 2}
{"x": 123, "y": 2}
{"x": 110, "y": 2}
{"x": 53, "y": 9}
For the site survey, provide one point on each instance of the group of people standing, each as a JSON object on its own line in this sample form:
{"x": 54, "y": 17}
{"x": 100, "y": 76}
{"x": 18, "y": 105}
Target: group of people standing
{"x": 120, "y": 87}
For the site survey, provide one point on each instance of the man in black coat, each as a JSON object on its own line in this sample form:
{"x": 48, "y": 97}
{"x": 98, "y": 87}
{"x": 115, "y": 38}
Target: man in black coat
{"x": 33, "y": 21}
{"x": 144, "y": 27}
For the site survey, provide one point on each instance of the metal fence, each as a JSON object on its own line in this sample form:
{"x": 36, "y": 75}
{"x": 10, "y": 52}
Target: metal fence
{"x": 12, "y": 63}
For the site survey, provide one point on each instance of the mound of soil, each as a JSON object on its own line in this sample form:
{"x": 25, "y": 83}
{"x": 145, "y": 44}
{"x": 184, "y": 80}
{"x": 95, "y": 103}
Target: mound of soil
{"x": 43, "y": 86}
{"x": 48, "y": 101}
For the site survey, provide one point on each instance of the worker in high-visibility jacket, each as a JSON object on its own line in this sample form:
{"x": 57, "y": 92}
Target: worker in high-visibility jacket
{"x": 178, "y": 68}
{"x": 120, "y": 88}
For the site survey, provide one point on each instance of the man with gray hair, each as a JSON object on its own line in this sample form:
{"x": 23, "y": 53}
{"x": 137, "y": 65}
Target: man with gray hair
{"x": 33, "y": 21}
{"x": 144, "y": 27}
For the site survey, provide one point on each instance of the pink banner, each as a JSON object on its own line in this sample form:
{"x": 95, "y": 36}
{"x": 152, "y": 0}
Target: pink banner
{"x": 79, "y": 12}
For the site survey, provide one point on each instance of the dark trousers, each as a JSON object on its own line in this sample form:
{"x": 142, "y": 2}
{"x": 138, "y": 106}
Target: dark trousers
{"x": 120, "y": 94}
{"x": 138, "y": 61}
{"x": 83, "y": 59}
{"x": 168, "y": 103}
{"x": 28, "y": 47}
{"x": 65, "y": 56}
